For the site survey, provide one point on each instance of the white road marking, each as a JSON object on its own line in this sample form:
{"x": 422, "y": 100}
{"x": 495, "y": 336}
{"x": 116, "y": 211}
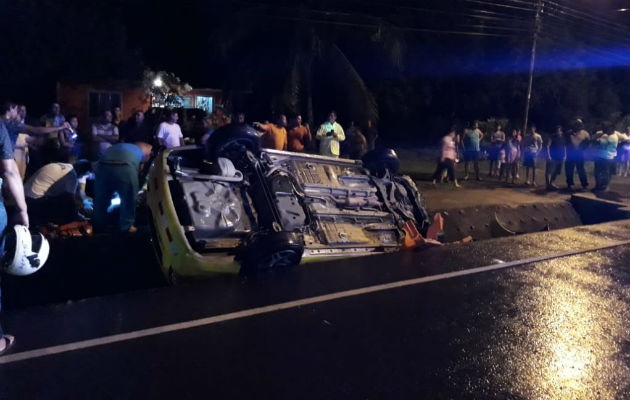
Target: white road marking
{"x": 84, "y": 344}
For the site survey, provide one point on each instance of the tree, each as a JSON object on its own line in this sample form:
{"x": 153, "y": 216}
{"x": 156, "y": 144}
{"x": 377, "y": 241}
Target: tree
{"x": 164, "y": 88}
{"x": 297, "y": 66}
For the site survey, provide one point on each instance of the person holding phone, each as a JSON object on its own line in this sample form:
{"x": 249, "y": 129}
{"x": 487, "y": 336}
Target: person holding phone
{"x": 329, "y": 134}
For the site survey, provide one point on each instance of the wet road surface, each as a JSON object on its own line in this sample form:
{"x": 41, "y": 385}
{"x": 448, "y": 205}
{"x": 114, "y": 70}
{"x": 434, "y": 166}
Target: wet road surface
{"x": 553, "y": 329}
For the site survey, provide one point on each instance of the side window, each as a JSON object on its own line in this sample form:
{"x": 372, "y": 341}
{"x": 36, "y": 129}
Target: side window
{"x": 101, "y": 101}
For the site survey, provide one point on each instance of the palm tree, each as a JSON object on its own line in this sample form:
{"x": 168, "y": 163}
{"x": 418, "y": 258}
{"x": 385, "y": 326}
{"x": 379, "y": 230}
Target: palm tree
{"x": 298, "y": 65}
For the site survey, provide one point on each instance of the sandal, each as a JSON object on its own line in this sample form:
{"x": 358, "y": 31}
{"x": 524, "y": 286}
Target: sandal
{"x": 8, "y": 340}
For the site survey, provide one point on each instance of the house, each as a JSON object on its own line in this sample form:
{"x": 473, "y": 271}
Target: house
{"x": 89, "y": 100}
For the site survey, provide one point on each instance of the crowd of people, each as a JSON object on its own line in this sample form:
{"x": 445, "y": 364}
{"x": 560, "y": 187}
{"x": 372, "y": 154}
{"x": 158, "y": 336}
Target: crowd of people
{"x": 55, "y": 163}
{"x": 58, "y": 160}
{"x": 294, "y": 135}
{"x": 571, "y": 148}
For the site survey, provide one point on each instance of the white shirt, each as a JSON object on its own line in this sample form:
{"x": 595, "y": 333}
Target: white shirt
{"x": 170, "y": 134}
{"x": 41, "y": 183}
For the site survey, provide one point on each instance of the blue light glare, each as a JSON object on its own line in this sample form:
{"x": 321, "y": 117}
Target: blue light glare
{"x": 567, "y": 60}
{"x": 502, "y": 62}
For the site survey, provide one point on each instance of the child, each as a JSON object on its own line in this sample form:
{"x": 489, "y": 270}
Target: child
{"x": 501, "y": 162}
{"x": 511, "y": 159}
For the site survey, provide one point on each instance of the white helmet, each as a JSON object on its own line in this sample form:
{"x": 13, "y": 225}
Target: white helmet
{"x": 24, "y": 253}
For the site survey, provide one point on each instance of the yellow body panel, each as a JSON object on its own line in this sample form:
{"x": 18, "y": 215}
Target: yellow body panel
{"x": 177, "y": 254}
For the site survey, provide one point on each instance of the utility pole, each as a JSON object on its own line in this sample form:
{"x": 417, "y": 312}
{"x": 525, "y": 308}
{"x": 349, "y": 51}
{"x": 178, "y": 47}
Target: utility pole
{"x": 532, "y": 62}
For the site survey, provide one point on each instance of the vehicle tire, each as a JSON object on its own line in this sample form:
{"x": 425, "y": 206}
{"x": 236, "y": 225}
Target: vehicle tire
{"x": 273, "y": 251}
{"x": 420, "y": 212}
{"x": 380, "y": 160}
{"x": 232, "y": 141}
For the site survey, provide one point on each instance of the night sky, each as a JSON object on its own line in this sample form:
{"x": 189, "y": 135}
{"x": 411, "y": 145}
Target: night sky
{"x": 438, "y": 60}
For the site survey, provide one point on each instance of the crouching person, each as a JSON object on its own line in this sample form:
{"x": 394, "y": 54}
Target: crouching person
{"x": 117, "y": 172}
{"x": 53, "y": 191}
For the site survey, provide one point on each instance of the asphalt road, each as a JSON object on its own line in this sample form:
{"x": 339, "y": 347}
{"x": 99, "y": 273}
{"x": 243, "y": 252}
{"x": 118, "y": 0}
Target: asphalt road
{"x": 503, "y": 318}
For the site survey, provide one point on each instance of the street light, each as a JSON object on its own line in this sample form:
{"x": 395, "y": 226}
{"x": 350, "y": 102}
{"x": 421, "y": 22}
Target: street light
{"x": 157, "y": 82}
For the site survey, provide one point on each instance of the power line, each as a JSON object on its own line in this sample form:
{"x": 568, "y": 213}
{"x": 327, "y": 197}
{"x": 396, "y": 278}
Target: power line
{"x": 485, "y": 29}
{"x": 573, "y": 13}
{"x": 586, "y": 47}
{"x": 589, "y": 34}
{"x": 372, "y": 26}
{"x": 592, "y": 15}
{"x": 501, "y": 5}
{"x": 580, "y": 28}
{"x": 502, "y": 17}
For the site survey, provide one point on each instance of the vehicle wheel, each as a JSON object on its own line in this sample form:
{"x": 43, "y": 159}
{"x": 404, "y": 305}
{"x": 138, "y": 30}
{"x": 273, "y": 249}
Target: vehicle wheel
{"x": 273, "y": 251}
{"x": 232, "y": 141}
{"x": 380, "y": 160}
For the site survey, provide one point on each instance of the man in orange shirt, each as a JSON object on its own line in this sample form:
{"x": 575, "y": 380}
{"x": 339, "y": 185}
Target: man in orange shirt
{"x": 275, "y": 136}
{"x": 299, "y": 136}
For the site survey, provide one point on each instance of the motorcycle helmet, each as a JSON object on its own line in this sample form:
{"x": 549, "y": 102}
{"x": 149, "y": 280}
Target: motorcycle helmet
{"x": 24, "y": 253}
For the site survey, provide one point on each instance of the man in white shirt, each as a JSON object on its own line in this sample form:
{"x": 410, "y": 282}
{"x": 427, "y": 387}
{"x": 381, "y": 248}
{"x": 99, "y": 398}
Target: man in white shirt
{"x": 329, "y": 134}
{"x": 169, "y": 133}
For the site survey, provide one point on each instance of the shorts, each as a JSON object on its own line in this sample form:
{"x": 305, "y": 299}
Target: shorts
{"x": 529, "y": 160}
{"x": 471, "y": 155}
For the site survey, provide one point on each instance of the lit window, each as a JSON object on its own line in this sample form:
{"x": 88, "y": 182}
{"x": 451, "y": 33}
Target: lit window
{"x": 205, "y": 103}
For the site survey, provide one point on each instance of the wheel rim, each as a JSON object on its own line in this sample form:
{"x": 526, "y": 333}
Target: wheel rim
{"x": 280, "y": 259}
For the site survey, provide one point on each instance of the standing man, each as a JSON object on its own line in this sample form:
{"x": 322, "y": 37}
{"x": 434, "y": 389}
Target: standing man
{"x": 12, "y": 184}
{"x": 105, "y": 133}
{"x": 117, "y": 116}
{"x": 54, "y": 117}
{"x": 15, "y": 125}
{"x": 329, "y": 134}
{"x": 607, "y": 143}
{"x": 169, "y": 133}
{"x": 497, "y": 139}
{"x": 624, "y": 152}
{"x": 346, "y": 146}
{"x": 577, "y": 142}
{"x": 136, "y": 129}
{"x": 532, "y": 144}
{"x": 240, "y": 118}
{"x": 556, "y": 155}
{"x": 299, "y": 136}
{"x": 472, "y": 138}
{"x": 117, "y": 172}
{"x": 20, "y": 148}
{"x": 275, "y": 136}
{"x": 357, "y": 146}
{"x": 371, "y": 134}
